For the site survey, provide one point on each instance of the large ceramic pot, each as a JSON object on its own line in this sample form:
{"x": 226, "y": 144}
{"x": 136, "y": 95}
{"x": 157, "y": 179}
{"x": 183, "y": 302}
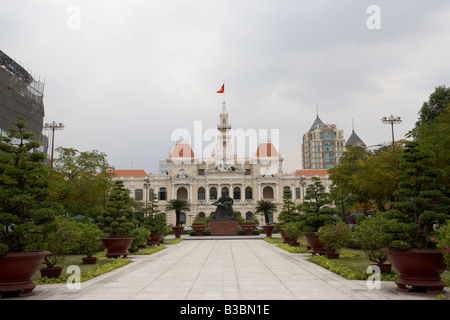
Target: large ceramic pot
{"x": 177, "y": 231}
{"x": 248, "y": 228}
{"x": 268, "y": 229}
{"x": 116, "y": 247}
{"x": 16, "y": 270}
{"x": 154, "y": 239}
{"x": 419, "y": 269}
{"x": 314, "y": 243}
{"x": 286, "y": 239}
{"x": 199, "y": 229}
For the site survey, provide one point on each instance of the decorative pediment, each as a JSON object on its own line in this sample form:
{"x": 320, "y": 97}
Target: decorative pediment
{"x": 225, "y": 168}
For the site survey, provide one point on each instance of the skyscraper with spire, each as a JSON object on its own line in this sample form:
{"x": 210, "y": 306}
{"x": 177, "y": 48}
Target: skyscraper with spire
{"x": 322, "y": 145}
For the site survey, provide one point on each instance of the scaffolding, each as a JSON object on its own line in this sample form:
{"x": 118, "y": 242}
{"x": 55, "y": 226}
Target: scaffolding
{"x": 21, "y": 94}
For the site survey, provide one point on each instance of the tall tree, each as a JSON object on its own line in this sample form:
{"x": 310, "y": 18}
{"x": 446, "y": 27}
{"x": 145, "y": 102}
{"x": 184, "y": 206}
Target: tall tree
{"x": 431, "y": 109}
{"x": 80, "y": 181}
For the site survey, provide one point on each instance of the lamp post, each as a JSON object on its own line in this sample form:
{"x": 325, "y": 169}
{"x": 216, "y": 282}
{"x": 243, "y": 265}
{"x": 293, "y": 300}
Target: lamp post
{"x": 391, "y": 120}
{"x": 53, "y": 126}
{"x": 146, "y": 185}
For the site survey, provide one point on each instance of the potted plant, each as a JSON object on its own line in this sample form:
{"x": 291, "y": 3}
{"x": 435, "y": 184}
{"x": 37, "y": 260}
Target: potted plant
{"x": 292, "y": 232}
{"x": 178, "y": 206}
{"x": 89, "y": 242}
{"x": 288, "y": 214}
{"x": 140, "y": 237}
{"x": 117, "y": 222}
{"x": 199, "y": 225}
{"x": 266, "y": 207}
{"x": 370, "y": 236}
{"x": 59, "y": 242}
{"x": 24, "y": 204}
{"x": 421, "y": 201}
{"x": 334, "y": 236}
{"x": 158, "y": 228}
{"x": 248, "y": 227}
{"x": 315, "y": 214}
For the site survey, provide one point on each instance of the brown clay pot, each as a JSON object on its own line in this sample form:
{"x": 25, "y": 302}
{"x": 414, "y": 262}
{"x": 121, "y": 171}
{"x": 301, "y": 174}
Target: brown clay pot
{"x": 16, "y": 270}
{"x": 248, "y": 228}
{"x": 89, "y": 260}
{"x": 268, "y": 229}
{"x": 314, "y": 243}
{"x": 199, "y": 229}
{"x": 154, "y": 239}
{"x": 384, "y": 267}
{"x": 419, "y": 269}
{"x": 116, "y": 247}
{"x": 332, "y": 255}
{"x": 53, "y": 272}
{"x": 177, "y": 231}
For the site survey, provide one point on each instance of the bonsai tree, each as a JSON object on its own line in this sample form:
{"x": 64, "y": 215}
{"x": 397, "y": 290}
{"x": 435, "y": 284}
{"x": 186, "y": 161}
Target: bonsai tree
{"x": 156, "y": 223}
{"x": 266, "y": 207}
{"x": 288, "y": 211}
{"x": 89, "y": 242}
{"x": 24, "y": 190}
{"x": 118, "y": 219}
{"x": 140, "y": 237}
{"x": 421, "y": 201}
{"x": 178, "y": 206}
{"x": 58, "y": 241}
{"x": 316, "y": 213}
{"x": 370, "y": 236}
{"x": 334, "y": 235}
{"x": 292, "y": 231}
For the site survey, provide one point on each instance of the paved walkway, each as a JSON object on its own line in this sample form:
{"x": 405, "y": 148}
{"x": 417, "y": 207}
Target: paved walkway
{"x": 225, "y": 269}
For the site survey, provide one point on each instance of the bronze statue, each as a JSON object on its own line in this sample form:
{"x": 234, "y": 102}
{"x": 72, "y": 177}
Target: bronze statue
{"x": 224, "y": 210}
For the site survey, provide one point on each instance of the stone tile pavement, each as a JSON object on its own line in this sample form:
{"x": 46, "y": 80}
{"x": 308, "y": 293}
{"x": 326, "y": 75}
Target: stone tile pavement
{"x": 222, "y": 269}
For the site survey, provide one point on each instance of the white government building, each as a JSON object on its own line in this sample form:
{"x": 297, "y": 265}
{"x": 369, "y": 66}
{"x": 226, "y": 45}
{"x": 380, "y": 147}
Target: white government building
{"x": 201, "y": 181}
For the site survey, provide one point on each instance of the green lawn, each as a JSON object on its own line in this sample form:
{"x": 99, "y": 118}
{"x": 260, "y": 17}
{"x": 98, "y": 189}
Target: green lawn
{"x": 103, "y": 265}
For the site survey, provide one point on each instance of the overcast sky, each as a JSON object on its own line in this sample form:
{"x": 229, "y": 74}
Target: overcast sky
{"x": 124, "y": 75}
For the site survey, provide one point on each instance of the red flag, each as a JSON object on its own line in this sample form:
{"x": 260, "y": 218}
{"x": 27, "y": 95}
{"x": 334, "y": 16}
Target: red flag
{"x": 221, "y": 89}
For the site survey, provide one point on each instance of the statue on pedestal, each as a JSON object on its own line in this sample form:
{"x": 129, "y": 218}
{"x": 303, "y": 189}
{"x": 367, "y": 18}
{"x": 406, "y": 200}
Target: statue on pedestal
{"x": 224, "y": 210}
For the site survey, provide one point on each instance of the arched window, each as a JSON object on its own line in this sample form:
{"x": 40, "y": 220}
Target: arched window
{"x": 268, "y": 193}
{"x": 225, "y": 189}
{"x": 201, "y": 215}
{"x": 249, "y": 216}
{"x": 248, "y": 193}
{"x": 237, "y": 193}
{"x": 297, "y": 193}
{"x": 139, "y": 194}
{"x": 162, "y": 194}
{"x": 213, "y": 193}
{"x": 182, "y": 193}
{"x": 150, "y": 194}
{"x": 288, "y": 191}
{"x": 201, "y": 193}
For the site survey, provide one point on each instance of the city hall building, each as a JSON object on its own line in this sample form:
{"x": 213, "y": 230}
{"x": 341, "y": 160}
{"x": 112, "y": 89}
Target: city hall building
{"x": 201, "y": 181}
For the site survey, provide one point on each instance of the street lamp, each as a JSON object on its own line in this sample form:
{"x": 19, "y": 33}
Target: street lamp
{"x": 53, "y": 126}
{"x": 391, "y": 120}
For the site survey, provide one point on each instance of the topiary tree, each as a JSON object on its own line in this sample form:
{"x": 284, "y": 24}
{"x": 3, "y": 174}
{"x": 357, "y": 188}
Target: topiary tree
{"x": 24, "y": 190}
{"x": 316, "y": 213}
{"x": 421, "y": 201}
{"x": 118, "y": 219}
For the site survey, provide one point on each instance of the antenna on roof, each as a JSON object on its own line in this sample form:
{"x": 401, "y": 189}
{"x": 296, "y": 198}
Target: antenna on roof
{"x": 317, "y": 108}
{"x": 353, "y": 126}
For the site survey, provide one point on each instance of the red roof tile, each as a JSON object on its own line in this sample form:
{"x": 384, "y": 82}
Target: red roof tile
{"x": 311, "y": 172}
{"x": 128, "y": 173}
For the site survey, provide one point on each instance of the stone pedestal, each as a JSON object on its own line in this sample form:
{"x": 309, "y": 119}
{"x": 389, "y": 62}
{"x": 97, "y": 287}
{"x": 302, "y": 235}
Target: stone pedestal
{"x": 224, "y": 227}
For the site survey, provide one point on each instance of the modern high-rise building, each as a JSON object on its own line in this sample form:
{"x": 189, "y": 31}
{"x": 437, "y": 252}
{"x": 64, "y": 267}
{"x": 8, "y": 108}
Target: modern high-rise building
{"x": 322, "y": 146}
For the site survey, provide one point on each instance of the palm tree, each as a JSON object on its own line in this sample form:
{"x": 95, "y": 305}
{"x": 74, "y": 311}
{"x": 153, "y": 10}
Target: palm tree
{"x": 178, "y": 206}
{"x": 266, "y": 207}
